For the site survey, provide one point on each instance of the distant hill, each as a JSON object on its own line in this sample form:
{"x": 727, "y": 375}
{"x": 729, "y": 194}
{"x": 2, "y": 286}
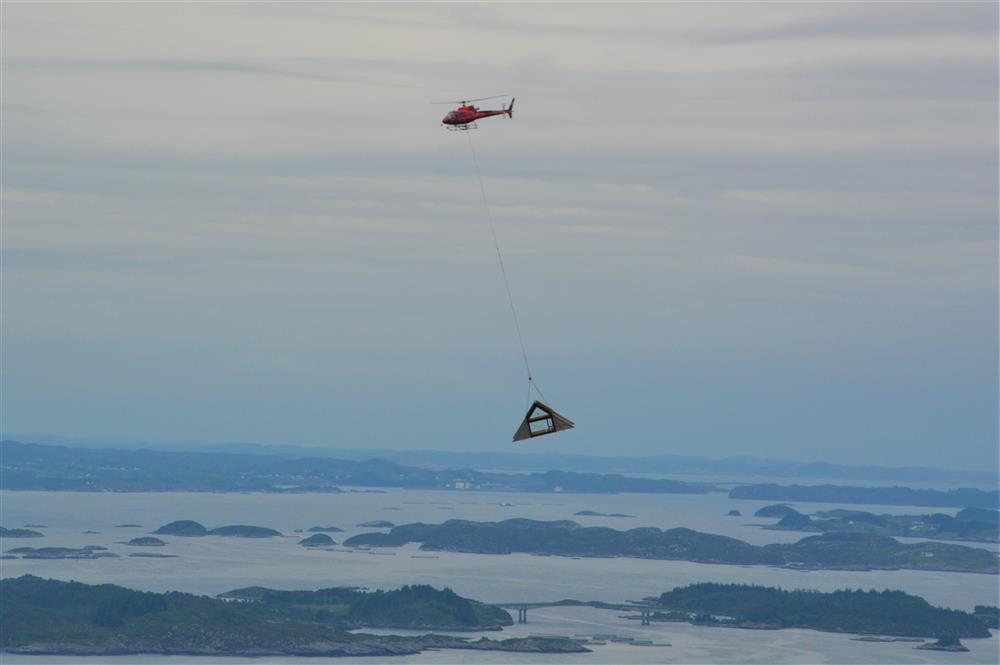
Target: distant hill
{"x": 539, "y": 461}
{"x": 890, "y": 496}
{"x": 26, "y": 466}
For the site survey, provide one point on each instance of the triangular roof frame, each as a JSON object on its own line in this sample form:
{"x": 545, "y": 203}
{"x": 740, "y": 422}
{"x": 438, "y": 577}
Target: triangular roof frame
{"x": 537, "y": 413}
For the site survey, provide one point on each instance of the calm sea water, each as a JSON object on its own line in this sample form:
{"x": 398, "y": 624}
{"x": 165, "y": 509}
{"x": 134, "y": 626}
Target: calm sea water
{"x": 212, "y": 565}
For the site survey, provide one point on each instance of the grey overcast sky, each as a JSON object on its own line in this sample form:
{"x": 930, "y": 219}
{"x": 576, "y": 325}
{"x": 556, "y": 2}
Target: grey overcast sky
{"x": 731, "y": 229}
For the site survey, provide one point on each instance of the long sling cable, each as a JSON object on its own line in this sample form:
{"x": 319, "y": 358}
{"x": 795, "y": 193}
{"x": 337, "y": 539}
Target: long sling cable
{"x": 503, "y": 272}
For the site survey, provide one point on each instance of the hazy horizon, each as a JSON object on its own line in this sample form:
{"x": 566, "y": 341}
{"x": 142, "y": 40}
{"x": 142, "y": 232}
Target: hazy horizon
{"x": 272, "y": 447}
{"x": 765, "y": 230}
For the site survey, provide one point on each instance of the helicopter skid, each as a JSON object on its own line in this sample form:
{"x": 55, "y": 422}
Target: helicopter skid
{"x": 461, "y": 128}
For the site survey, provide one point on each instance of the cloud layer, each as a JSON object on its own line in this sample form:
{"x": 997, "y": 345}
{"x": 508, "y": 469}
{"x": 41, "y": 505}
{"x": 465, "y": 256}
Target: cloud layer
{"x": 762, "y": 229}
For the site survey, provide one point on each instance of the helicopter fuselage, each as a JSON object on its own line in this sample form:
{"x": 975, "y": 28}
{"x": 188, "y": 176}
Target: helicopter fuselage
{"x": 463, "y": 115}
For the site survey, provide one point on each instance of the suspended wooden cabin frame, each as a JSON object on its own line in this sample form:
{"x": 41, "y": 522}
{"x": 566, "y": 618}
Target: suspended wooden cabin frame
{"x": 540, "y": 420}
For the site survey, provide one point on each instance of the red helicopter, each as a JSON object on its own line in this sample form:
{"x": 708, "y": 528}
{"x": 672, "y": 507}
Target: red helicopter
{"x": 465, "y": 116}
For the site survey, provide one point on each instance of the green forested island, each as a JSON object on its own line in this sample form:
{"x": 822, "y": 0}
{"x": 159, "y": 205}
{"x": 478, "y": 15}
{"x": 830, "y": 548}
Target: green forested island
{"x": 888, "y": 496}
{"x": 53, "y": 617}
{"x": 864, "y": 612}
{"x": 851, "y": 551}
{"x": 190, "y": 528}
{"x": 973, "y": 524}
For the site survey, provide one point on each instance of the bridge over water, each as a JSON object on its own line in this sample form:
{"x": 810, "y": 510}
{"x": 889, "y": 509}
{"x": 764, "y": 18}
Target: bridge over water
{"x": 645, "y": 609}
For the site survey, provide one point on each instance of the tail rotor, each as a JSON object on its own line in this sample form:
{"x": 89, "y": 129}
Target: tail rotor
{"x": 510, "y": 108}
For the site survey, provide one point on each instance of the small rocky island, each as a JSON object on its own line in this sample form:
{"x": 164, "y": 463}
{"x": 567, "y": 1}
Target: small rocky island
{"x": 317, "y": 540}
{"x": 19, "y": 533}
{"x": 146, "y": 541}
{"x": 244, "y": 531}
{"x": 106, "y": 619}
{"x": 186, "y": 528}
{"x": 87, "y": 552}
{"x": 190, "y": 528}
{"x": 594, "y": 513}
{"x": 324, "y": 529}
{"x": 950, "y": 643}
{"x": 377, "y": 524}
{"x": 734, "y": 513}
{"x": 778, "y": 510}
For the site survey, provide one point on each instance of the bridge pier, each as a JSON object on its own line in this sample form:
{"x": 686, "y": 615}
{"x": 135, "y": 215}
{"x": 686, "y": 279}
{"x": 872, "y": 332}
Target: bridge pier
{"x": 646, "y": 614}
{"x": 522, "y": 614}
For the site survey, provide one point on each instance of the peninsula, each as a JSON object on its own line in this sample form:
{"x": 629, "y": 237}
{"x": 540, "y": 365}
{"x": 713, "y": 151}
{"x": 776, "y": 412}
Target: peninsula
{"x": 69, "y": 618}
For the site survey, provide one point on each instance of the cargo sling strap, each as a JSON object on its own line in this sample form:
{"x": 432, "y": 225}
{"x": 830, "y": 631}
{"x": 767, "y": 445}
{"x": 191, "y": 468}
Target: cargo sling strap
{"x": 541, "y": 418}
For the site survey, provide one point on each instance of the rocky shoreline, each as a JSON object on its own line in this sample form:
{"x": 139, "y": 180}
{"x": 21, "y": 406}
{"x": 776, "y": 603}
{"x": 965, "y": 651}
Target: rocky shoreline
{"x": 368, "y": 645}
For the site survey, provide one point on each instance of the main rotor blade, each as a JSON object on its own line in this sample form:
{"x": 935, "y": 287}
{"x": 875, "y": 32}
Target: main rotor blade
{"x": 465, "y": 101}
